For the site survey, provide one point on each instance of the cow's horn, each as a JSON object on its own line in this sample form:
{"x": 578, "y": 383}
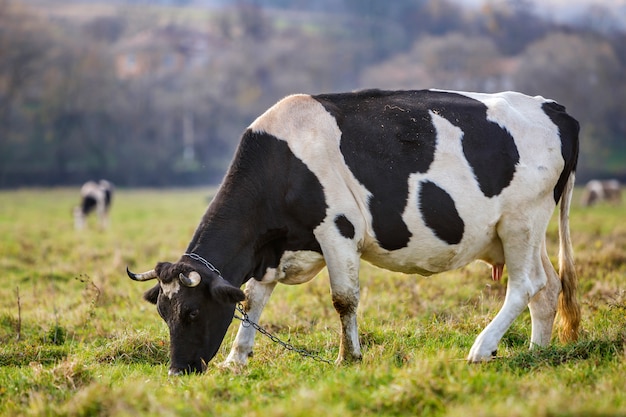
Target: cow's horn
{"x": 192, "y": 280}
{"x": 142, "y": 277}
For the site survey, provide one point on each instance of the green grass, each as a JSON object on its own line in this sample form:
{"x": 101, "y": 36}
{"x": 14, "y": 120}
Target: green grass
{"x": 89, "y": 345}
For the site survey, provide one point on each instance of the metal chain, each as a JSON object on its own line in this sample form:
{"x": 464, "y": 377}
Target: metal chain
{"x": 246, "y": 322}
{"x": 204, "y": 261}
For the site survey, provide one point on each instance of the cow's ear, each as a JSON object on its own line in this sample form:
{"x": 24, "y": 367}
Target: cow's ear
{"x": 223, "y": 291}
{"x": 152, "y": 294}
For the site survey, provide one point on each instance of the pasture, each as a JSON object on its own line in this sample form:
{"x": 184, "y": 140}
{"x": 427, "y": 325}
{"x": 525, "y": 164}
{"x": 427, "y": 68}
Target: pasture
{"x": 76, "y": 337}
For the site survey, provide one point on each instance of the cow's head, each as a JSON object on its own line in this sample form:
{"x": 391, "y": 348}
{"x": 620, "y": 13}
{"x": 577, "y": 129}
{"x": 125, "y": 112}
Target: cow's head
{"x": 198, "y": 307}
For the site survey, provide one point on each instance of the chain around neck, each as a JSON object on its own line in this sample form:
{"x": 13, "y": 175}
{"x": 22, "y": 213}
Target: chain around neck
{"x": 206, "y": 263}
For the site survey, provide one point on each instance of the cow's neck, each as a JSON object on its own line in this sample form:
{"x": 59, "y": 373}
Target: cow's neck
{"x": 225, "y": 237}
{"x": 239, "y": 220}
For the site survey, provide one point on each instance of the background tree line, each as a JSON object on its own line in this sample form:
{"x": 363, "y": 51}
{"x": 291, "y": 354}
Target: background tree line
{"x": 159, "y": 95}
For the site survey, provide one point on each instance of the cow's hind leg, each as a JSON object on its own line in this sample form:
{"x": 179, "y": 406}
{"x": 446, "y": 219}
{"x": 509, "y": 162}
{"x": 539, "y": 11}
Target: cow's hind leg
{"x": 257, "y": 295}
{"x": 544, "y": 304}
{"x": 523, "y": 255}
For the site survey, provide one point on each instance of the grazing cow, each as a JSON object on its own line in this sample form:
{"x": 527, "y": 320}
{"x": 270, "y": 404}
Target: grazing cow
{"x": 94, "y": 196}
{"x": 411, "y": 181}
{"x": 597, "y": 191}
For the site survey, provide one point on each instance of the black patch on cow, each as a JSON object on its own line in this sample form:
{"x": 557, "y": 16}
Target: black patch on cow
{"x": 88, "y": 204}
{"x": 489, "y": 148}
{"x": 568, "y": 131}
{"x": 345, "y": 227}
{"x": 389, "y": 135}
{"x": 440, "y": 213}
{"x": 108, "y": 196}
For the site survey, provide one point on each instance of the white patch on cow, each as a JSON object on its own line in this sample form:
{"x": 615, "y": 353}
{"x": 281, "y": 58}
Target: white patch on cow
{"x": 170, "y": 288}
{"x": 295, "y": 268}
{"x": 269, "y": 276}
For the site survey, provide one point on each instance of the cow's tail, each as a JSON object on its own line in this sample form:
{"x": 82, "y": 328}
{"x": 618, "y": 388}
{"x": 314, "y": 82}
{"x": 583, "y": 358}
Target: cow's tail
{"x": 568, "y": 307}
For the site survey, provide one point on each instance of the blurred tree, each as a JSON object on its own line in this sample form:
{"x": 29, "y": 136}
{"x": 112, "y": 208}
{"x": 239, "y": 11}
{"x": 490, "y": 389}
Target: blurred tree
{"x": 75, "y": 95}
{"x": 512, "y": 24}
{"x": 435, "y": 18}
{"x": 25, "y": 41}
{"x": 553, "y": 67}
{"x": 106, "y": 28}
{"x": 252, "y": 21}
{"x": 453, "y": 61}
{"x": 599, "y": 18}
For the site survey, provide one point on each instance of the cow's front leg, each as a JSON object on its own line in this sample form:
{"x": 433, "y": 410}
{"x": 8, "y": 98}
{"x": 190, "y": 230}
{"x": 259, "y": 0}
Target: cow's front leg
{"x": 349, "y": 347}
{"x": 345, "y": 294}
{"x": 257, "y": 295}
{"x": 339, "y": 240}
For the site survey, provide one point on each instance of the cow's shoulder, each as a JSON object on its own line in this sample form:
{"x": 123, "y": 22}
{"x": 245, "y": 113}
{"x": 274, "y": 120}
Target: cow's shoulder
{"x": 295, "y": 117}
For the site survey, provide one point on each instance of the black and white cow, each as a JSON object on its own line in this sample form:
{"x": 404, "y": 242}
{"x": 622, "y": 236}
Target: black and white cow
{"x": 94, "y": 196}
{"x": 597, "y": 191}
{"x": 411, "y": 181}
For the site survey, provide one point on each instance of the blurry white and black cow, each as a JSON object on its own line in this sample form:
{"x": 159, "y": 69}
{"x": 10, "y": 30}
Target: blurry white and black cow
{"x": 411, "y": 181}
{"x": 597, "y": 191}
{"x": 94, "y": 197}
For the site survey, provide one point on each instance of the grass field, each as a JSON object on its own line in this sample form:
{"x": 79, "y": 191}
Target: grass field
{"x": 77, "y": 339}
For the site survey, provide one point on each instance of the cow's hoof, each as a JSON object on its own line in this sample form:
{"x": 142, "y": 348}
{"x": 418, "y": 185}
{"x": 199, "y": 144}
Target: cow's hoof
{"x": 239, "y": 356}
{"x": 476, "y": 356}
{"x": 233, "y": 367}
{"x": 348, "y": 359}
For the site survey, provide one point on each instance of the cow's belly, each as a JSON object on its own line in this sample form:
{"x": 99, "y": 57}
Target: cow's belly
{"x": 428, "y": 255}
{"x": 295, "y": 267}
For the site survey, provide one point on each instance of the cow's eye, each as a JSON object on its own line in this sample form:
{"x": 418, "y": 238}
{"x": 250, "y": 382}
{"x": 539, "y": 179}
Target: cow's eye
{"x": 193, "y": 314}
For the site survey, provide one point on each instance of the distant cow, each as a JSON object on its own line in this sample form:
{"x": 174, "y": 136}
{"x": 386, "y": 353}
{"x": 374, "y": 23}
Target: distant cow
{"x": 94, "y": 197}
{"x": 597, "y": 191}
{"x": 411, "y": 181}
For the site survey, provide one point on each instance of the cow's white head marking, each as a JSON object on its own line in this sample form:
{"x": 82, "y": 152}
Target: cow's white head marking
{"x": 170, "y": 288}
